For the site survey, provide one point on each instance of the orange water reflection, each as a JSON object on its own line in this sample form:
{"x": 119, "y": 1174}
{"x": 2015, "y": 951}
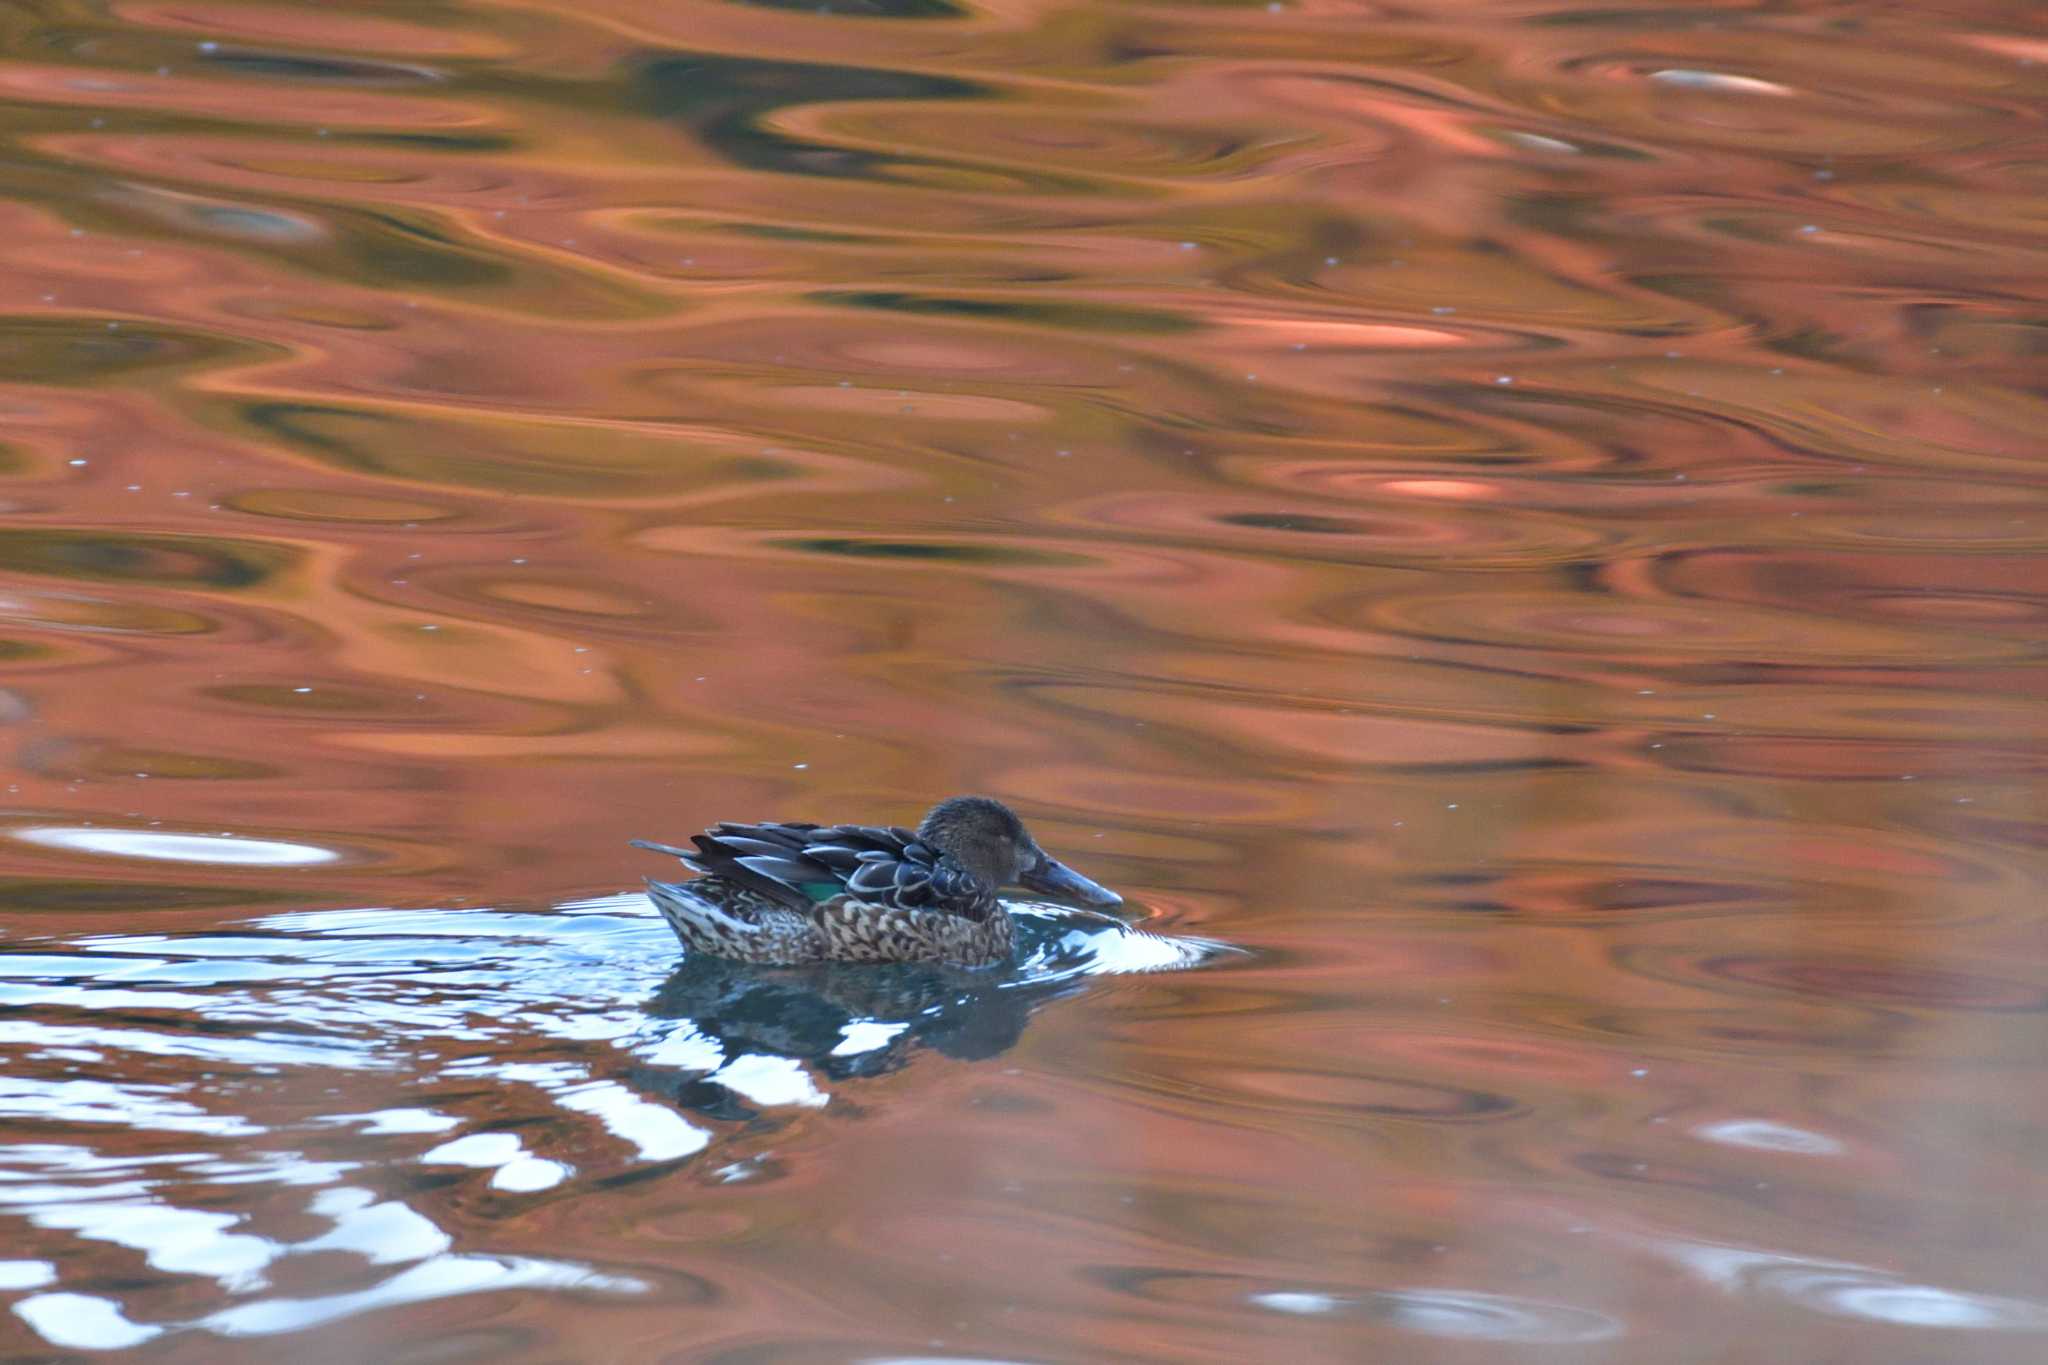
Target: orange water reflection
{"x": 1527, "y": 519}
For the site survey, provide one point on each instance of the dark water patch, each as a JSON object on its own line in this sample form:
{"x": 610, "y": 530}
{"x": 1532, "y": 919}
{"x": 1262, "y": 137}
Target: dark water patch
{"x": 480, "y": 453}
{"x": 728, "y": 102}
{"x": 1306, "y": 522}
{"x": 1089, "y": 317}
{"x": 401, "y": 250}
{"x": 304, "y": 699}
{"x": 338, "y": 505}
{"x": 95, "y": 896}
{"x": 290, "y": 66}
{"x": 94, "y": 351}
{"x": 210, "y": 562}
{"x": 939, "y": 551}
{"x": 94, "y": 761}
{"x": 867, "y": 9}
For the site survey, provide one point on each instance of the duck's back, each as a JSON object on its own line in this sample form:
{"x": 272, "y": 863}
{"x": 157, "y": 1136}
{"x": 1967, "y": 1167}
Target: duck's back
{"x": 802, "y": 866}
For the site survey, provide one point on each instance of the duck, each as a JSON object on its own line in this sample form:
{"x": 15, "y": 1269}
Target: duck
{"x": 794, "y": 894}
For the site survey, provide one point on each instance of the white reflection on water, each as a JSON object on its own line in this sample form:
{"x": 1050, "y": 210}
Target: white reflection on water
{"x": 82, "y": 1322}
{"x": 1846, "y": 1290}
{"x": 865, "y": 1035}
{"x": 436, "y": 1278}
{"x": 26, "y": 1274}
{"x": 656, "y": 1133}
{"x": 226, "y": 850}
{"x": 136, "y": 1212}
{"x": 512, "y": 1167}
{"x": 771, "y": 1081}
{"x": 1766, "y": 1136}
{"x": 384, "y": 1121}
{"x": 1457, "y": 1314}
{"x": 568, "y": 1023}
{"x": 1299, "y": 1301}
{"x": 383, "y": 1233}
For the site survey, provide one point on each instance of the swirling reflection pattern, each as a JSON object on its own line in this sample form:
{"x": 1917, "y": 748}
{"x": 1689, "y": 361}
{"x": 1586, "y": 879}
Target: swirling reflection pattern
{"x": 1530, "y": 516}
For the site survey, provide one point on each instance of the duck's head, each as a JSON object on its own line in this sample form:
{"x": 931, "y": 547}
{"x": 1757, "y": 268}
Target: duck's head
{"x": 985, "y": 836}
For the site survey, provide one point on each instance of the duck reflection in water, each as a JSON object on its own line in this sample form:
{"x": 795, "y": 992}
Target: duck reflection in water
{"x": 851, "y": 1021}
{"x": 840, "y": 1021}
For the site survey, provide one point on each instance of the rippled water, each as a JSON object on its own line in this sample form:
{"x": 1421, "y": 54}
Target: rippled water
{"x": 1526, "y": 520}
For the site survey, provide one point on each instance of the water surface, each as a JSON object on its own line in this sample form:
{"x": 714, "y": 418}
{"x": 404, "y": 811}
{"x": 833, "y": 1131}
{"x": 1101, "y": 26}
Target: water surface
{"x": 1527, "y": 519}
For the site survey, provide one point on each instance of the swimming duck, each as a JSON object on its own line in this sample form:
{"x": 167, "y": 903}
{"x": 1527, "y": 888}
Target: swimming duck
{"x": 785, "y": 894}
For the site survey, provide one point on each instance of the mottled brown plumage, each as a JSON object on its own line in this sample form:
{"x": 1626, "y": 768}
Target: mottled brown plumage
{"x": 797, "y": 893}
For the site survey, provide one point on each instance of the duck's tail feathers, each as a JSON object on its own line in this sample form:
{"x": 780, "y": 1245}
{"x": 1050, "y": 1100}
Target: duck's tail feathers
{"x": 703, "y": 924}
{"x": 688, "y": 855}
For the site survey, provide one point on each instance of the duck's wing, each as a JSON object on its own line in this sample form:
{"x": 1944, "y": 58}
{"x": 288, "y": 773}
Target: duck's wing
{"x": 804, "y": 865}
{"x": 890, "y": 867}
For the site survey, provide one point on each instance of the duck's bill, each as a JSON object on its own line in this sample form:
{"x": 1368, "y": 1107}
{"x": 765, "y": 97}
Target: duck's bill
{"x": 1055, "y": 878}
